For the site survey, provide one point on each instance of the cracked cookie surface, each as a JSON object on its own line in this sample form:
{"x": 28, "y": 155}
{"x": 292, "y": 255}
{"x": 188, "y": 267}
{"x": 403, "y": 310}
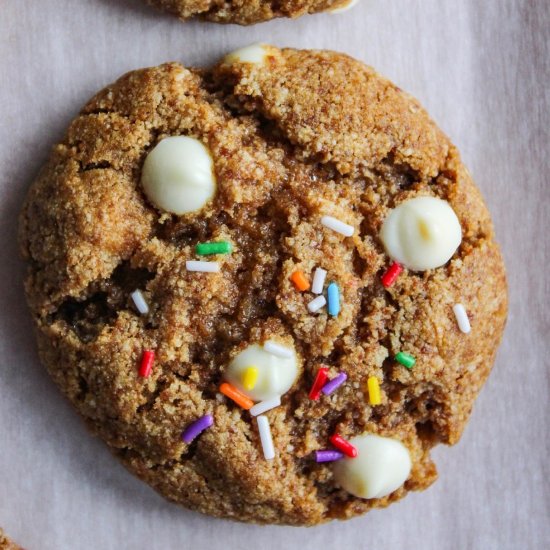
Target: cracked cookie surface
{"x": 301, "y": 135}
{"x": 246, "y": 12}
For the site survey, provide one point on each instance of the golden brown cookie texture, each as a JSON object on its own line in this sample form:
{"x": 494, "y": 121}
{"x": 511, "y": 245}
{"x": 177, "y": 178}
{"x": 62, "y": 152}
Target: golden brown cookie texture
{"x": 6, "y": 543}
{"x": 300, "y": 135}
{"x": 246, "y": 12}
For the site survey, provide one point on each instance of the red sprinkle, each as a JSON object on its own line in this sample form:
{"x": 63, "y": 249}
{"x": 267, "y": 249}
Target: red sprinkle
{"x": 391, "y": 274}
{"x": 320, "y": 379}
{"x": 340, "y": 443}
{"x": 147, "y": 363}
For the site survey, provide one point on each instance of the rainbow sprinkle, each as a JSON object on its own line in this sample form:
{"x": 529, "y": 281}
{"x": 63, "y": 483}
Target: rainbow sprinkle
{"x": 265, "y": 437}
{"x": 337, "y": 225}
{"x": 333, "y": 295}
{"x": 299, "y": 280}
{"x": 235, "y": 395}
{"x": 316, "y": 304}
{"x": 335, "y": 383}
{"x": 406, "y": 359}
{"x": 208, "y": 249}
{"x": 197, "y": 427}
{"x": 320, "y": 379}
{"x": 277, "y": 349}
{"x": 264, "y": 406}
{"x": 374, "y": 391}
{"x": 205, "y": 267}
{"x": 147, "y": 360}
{"x": 250, "y": 377}
{"x": 390, "y": 276}
{"x": 318, "y": 281}
{"x": 328, "y": 455}
{"x": 462, "y": 318}
{"x": 139, "y": 301}
{"x": 345, "y": 446}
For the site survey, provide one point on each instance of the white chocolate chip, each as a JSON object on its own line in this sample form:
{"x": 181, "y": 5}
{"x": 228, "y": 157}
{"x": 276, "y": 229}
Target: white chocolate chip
{"x": 421, "y": 233}
{"x": 346, "y": 7}
{"x": 382, "y": 466}
{"x": 178, "y": 175}
{"x": 275, "y": 374}
{"x": 255, "y": 54}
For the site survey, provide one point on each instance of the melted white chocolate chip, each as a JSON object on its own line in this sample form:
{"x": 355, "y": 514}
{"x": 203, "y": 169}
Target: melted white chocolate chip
{"x": 382, "y": 466}
{"x": 178, "y": 175}
{"x": 275, "y": 374}
{"x": 421, "y": 233}
{"x": 255, "y": 53}
{"x": 346, "y": 7}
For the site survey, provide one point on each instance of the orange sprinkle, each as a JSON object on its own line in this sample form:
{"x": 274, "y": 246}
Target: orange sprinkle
{"x": 240, "y": 398}
{"x": 299, "y": 280}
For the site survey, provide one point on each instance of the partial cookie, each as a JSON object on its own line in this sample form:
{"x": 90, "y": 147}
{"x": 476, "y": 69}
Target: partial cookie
{"x": 6, "y": 543}
{"x": 271, "y": 286}
{"x": 247, "y": 12}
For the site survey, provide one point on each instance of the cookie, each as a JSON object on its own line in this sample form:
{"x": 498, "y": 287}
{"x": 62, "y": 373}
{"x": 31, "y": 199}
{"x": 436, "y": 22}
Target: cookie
{"x": 270, "y": 286}
{"x": 6, "y": 543}
{"x": 248, "y": 12}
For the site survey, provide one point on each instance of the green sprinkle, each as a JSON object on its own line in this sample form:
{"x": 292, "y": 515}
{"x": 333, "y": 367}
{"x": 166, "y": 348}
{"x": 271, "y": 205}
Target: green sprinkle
{"x": 406, "y": 359}
{"x": 207, "y": 249}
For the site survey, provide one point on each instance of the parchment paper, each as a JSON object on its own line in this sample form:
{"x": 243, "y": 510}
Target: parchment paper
{"x": 481, "y": 67}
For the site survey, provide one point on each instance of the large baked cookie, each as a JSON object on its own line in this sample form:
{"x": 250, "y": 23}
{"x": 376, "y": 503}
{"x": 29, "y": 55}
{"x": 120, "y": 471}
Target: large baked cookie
{"x": 271, "y": 286}
{"x": 247, "y": 12}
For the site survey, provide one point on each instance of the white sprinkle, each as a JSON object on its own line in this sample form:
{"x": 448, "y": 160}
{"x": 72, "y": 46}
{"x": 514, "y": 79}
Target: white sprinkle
{"x": 316, "y": 304}
{"x": 338, "y": 226}
{"x": 265, "y": 437}
{"x": 206, "y": 267}
{"x": 462, "y": 318}
{"x": 318, "y": 281}
{"x": 277, "y": 349}
{"x": 140, "y": 302}
{"x": 264, "y": 406}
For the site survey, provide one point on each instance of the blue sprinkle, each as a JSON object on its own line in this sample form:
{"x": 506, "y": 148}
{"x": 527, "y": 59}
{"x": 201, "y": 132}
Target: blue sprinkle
{"x": 333, "y": 295}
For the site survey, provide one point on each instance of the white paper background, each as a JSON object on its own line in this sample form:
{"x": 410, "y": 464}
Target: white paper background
{"x": 481, "y": 67}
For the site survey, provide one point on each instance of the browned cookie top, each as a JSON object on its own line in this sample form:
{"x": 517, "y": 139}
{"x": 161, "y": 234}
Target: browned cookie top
{"x": 247, "y": 12}
{"x": 294, "y": 136}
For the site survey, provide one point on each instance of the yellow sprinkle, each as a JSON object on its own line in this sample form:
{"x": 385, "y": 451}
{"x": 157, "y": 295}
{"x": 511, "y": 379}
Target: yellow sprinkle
{"x": 250, "y": 378}
{"x": 374, "y": 391}
{"x": 425, "y": 232}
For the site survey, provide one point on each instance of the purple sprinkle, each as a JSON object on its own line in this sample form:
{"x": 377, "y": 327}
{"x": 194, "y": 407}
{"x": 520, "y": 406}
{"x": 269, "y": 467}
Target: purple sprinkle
{"x": 328, "y": 455}
{"x": 195, "y": 428}
{"x": 335, "y": 383}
